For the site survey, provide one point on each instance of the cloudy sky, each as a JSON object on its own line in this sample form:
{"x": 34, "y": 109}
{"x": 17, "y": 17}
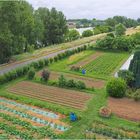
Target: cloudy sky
{"x": 99, "y": 9}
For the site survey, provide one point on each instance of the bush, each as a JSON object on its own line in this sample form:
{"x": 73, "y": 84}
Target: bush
{"x": 31, "y": 74}
{"x": 46, "y": 62}
{"x": 41, "y": 64}
{"x": 127, "y": 76}
{"x": 45, "y": 75}
{"x": 51, "y": 60}
{"x": 80, "y": 85}
{"x": 136, "y": 95}
{"x": 71, "y": 83}
{"x": 116, "y": 88}
{"x": 87, "y": 33}
{"x": 61, "y": 81}
{"x": 2, "y": 79}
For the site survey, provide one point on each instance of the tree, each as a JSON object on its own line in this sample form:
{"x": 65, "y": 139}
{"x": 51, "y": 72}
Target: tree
{"x": 18, "y": 17}
{"x": 55, "y": 27}
{"x": 87, "y": 33}
{"x": 123, "y": 43}
{"x": 5, "y": 44}
{"x": 116, "y": 87}
{"x": 135, "y": 68}
{"x": 127, "y": 76}
{"x": 120, "y": 29}
{"x": 40, "y": 16}
{"x": 72, "y": 35}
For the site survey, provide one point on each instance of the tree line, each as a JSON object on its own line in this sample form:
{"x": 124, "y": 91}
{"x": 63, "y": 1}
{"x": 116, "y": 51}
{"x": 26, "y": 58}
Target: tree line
{"x": 22, "y": 28}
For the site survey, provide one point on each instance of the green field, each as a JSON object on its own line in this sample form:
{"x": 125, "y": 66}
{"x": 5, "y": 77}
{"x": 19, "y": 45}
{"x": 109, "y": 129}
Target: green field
{"x": 102, "y": 67}
{"x": 106, "y": 64}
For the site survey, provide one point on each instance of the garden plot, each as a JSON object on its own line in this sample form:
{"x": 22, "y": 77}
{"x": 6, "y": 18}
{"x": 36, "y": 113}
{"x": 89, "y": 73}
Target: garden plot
{"x": 125, "y": 108}
{"x": 90, "y": 82}
{"x": 37, "y": 117}
{"x": 106, "y": 64}
{"x": 87, "y": 60}
{"x": 69, "y": 98}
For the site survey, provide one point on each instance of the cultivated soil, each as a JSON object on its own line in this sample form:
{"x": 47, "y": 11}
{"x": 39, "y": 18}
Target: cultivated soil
{"x": 90, "y": 82}
{"x": 125, "y": 108}
{"x": 88, "y": 59}
{"x": 69, "y": 98}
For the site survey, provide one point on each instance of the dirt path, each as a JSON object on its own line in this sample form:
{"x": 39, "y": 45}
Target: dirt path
{"x": 88, "y": 59}
{"x": 90, "y": 82}
{"x": 125, "y": 108}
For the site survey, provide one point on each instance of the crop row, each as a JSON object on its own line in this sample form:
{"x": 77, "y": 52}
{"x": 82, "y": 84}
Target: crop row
{"x": 42, "y": 132}
{"x": 34, "y": 119}
{"x": 105, "y": 64}
{"x": 35, "y": 110}
{"x": 115, "y": 133}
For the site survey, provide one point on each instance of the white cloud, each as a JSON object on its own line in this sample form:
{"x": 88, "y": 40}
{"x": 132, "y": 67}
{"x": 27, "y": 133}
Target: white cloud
{"x": 100, "y": 9}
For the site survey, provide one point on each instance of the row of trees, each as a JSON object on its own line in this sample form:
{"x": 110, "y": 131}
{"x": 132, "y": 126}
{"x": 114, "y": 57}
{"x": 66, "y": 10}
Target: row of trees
{"x": 21, "y": 26}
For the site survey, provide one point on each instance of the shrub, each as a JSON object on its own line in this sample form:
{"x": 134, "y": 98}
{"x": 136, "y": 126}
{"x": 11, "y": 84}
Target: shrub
{"x": 31, "y": 74}
{"x": 105, "y": 112}
{"x": 25, "y": 69}
{"x": 116, "y": 88}
{"x": 41, "y": 64}
{"x": 136, "y": 95}
{"x": 80, "y": 85}
{"x": 75, "y": 68}
{"x": 35, "y": 65}
{"x": 2, "y": 79}
{"x": 19, "y": 72}
{"x": 120, "y": 29}
{"x": 46, "y": 62}
{"x": 61, "y": 81}
{"x": 71, "y": 83}
{"x": 51, "y": 60}
{"x": 45, "y": 75}
{"x": 127, "y": 76}
{"x": 87, "y": 33}
{"x": 56, "y": 58}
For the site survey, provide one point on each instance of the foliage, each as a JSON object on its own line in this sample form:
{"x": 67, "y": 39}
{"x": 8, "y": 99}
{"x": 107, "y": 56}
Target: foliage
{"x": 102, "y": 29}
{"x": 127, "y": 76}
{"x": 116, "y": 88}
{"x": 80, "y": 85}
{"x": 120, "y": 29}
{"x": 31, "y": 74}
{"x": 123, "y": 43}
{"x": 135, "y": 68}
{"x": 87, "y": 33}
{"x": 136, "y": 95}
{"x": 61, "y": 81}
{"x": 56, "y": 28}
{"x": 72, "y": 35}
{"x": 45, "y": 75}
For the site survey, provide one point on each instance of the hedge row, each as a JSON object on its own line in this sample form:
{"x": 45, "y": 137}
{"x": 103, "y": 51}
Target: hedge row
{"x": 37, "y": 65}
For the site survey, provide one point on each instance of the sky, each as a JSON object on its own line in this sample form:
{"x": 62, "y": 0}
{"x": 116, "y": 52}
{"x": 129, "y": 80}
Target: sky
{"x": 100, "y": 9}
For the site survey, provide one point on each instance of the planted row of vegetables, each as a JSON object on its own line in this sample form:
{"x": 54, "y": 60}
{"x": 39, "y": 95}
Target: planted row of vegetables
{"x": 35, "y": 119}
{"x": 106, "y": 63}
{"x": 41, "y": 132}
{"x": 115, "y": 133}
